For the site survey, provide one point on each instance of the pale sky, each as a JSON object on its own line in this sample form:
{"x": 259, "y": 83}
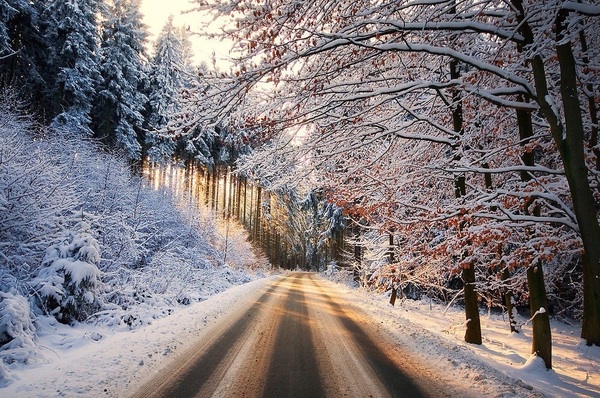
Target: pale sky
{"x": 156, "y": 13}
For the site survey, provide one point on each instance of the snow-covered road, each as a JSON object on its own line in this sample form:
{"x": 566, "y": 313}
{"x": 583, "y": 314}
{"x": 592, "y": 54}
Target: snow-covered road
{"x": 297, "y": 339}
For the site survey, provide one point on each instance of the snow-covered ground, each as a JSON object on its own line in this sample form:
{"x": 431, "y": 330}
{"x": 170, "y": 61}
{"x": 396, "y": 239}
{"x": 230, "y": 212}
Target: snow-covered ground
{"x": 91, "y": 361}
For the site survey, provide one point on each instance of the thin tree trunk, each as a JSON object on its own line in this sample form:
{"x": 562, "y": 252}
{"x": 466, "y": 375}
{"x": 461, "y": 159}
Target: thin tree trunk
{"x": 257, "y": 217}
{"x": 508, "y": 302}
{"x": 591, "y": 104}
{"x": 392, "y": 260}
{"x": 473, "y": 332}
{"x": 225, "y": 186}
{"x": 207, "y": 186}
{"x": 245, "y": 200}
{"x": 251, "y": 212}
{"x": 393, "y": 296}
{"x": 238, "y": 197}
{"x": 215, "y": 189}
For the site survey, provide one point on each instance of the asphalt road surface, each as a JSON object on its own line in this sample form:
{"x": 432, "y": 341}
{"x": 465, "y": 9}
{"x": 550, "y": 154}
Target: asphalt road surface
{"x": 296, "y": 340}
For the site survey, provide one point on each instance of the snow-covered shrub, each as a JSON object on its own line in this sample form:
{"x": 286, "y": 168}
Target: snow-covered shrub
{"x": 17, "y": 329}
{"x": 69, "y": 284}
{"x": 33, "y": 196}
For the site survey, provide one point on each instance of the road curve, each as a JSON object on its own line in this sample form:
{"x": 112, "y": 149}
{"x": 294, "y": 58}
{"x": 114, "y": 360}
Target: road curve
{"x": 296, "y": 340}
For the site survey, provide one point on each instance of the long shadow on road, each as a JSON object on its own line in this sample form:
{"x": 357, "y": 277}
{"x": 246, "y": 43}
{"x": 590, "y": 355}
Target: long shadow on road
{"x": 294, "y": 371}
{"x": 397, "y": 383}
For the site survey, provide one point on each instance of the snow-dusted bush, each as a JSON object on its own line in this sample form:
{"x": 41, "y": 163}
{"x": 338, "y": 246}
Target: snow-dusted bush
{"x": 17, "y": 329}
{"x": 68, "y": 284}
{"x": 34, "y": 197}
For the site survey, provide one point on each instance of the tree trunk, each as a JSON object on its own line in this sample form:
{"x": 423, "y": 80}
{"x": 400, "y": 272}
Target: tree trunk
{"x": 245, "y": 200}
{"x": 251, "y": 212}
{"x": 225, "y": 187}
{"x": 581, "y": 193}
{"x": 392, "y": 260}
{"x": 570, "y": 142}
{"x": 257, "y": 216}
{"x": 393, "y": 296}
{"x": 590, "y": 329}
{"x": 536, "y": 286}
{"x": 238, "y": 197}
{"x": 591, "y": 104}
{"x": 525, "y": 134}
{"x": 542, "y": 337}
{"x": 215, "y": 189}
{"x": 473, "y": 332}
{"x": 487, "y": 177}
{"x": 508, "y": 302}
{"x": 207, "y": 186}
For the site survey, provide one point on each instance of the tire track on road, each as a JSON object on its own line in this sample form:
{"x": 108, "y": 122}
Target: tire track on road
{"x": 209, "y": 360}
{"x": 294, "y": 341}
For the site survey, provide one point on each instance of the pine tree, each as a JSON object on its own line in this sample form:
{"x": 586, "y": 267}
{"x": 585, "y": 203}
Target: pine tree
{"x": 22, "y": 49}
{"x": 167, "y": 76}
{"x": 73, "y": 69}
{"x": 8, "y": 11}
{"x": 121, "y": 100}
{"x": 187, "y": 52}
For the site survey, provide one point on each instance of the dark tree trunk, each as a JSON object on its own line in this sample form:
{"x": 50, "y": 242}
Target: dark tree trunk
{"x": 245, "y": 200}
{"x": 393, "y": 296}
{"x": 535, "y": 284}
{"x": 473, "y": 332}
{"x": 225, "y": 186}
{"x": 525, "y": 134}
{"x": 542, "y": 337}
{"x": 214, "y": 188}
{"x": 487, "y": 177}
{"x": 581, "y": 193}
{"x": 591, "y": 319}
{"x": 257, "y": 216}
{"x": 207, "y": 186}
{"x": 251, "y": 212}
{"x": 570, "y": 143}
{"x": 392, "y": 260}
{"x": 591, "y": 104}
{"x": 238, "y": 197}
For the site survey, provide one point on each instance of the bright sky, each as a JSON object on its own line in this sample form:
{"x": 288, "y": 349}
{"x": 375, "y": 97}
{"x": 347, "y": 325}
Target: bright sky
{"x": 156, "y": 13}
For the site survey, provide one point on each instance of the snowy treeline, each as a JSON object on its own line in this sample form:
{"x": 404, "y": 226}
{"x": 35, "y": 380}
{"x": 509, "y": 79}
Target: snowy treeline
{"x": 83, "y": 65}
{"x": 82, "y": 240}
